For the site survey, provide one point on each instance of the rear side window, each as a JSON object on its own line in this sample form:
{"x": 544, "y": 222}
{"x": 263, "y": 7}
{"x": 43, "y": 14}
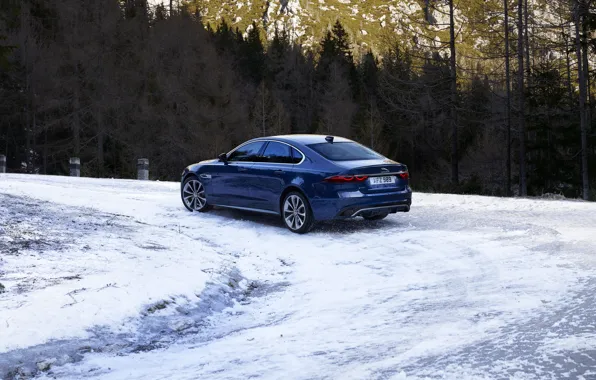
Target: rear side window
{"x": 296, "y": 156}
{"x": 277, "y": 153}
{"x": 345, "y": 151}
{"x": 247, "y": 153}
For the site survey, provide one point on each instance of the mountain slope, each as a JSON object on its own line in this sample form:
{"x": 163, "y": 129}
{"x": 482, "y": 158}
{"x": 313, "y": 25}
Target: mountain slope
{"x": 375, "y": 24}
{"x": 369, "y": 23}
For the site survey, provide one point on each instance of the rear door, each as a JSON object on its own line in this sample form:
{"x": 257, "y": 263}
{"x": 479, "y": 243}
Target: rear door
{"x": 233, "y": 182}
{"x": 276, "y": 169}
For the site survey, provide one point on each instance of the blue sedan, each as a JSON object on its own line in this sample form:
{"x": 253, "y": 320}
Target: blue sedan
{"x": 302, "y": 178}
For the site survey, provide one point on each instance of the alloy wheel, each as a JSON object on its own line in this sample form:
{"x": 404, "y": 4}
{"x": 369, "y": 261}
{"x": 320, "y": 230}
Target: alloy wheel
{"x": 294, "y": 212}
{"x": 193, "y": 195}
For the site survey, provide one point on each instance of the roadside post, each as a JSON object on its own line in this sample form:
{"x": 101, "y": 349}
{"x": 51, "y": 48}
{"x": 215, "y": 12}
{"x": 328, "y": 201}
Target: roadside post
{"x": 143, "y": 169}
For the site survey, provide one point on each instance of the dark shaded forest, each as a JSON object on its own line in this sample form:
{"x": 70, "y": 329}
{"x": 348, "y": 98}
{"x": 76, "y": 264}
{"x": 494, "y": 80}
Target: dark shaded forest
{"x": 114, "y": 81}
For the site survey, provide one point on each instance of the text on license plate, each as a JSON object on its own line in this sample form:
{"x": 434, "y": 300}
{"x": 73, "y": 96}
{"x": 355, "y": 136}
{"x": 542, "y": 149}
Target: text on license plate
{"x": 386, "y": 180}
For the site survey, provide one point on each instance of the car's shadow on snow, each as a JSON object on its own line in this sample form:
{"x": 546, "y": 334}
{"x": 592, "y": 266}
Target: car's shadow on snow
{"x": 350, "y": 226}
{"x": 347, "y": 226}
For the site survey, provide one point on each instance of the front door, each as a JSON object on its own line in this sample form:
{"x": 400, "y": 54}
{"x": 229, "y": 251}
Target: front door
{"x": 233, "y": 181}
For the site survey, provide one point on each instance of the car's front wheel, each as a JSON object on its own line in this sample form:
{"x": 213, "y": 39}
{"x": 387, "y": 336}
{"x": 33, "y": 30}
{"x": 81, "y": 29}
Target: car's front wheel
{"x": 193, "y": 195}
{"x": 296, "y": 213}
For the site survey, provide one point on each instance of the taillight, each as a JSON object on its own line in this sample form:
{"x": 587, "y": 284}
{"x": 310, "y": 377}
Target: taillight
{"x": 346, "y": 178}
{"x": 404, "y": 175}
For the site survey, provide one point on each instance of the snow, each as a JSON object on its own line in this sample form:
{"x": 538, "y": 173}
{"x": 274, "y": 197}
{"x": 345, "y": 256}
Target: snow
{"x": 112, "y": 265}
{"x": 572, "y": 343}
{"x": 418, "y": 295}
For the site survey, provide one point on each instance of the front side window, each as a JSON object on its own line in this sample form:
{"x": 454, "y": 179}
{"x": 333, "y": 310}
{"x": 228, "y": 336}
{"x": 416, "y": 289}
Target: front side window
{"x": 277, "y": 153}
{"x": 247, "y": 153}
{"x": 345, "y": 151}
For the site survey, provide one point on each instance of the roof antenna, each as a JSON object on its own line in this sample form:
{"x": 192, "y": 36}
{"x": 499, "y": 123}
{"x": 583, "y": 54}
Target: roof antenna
{"x": 329, "y": 139}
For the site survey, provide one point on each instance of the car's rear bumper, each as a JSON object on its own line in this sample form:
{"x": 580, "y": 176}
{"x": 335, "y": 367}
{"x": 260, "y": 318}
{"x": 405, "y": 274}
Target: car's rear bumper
{"x": 356, "y": 204}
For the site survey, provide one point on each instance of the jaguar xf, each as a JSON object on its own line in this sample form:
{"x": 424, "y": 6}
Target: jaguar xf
{"x": 302, "y": 178}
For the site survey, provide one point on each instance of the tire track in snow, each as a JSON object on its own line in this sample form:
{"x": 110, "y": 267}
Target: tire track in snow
{"x": 536, "y": 348}
{"x": 44, "y": 230}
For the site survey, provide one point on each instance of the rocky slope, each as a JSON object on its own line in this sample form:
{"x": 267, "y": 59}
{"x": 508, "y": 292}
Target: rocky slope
{"x": 374, "y": 24}
{"x": 371, "y": 24}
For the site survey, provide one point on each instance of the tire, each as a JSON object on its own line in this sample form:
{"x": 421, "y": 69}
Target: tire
{"x": 296, "y": 213}
{"x": 193, "y": 195}
{"x": 375, "y": 217}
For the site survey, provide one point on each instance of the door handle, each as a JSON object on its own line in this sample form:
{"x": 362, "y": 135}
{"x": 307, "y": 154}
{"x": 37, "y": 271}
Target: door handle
{"x": 279, "y": 172}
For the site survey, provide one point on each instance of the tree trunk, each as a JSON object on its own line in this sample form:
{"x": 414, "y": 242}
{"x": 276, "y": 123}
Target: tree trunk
{"x": 529, "y": 66}
{"x": 582, "y": 103}
{"x": 45, "y": 151}
{"x": 31, "y": 130}
{"x": 76, "y": 121}
{"x": 453, "y": 108}
{"x": 29, "y": 121}
{"x": 568, "y": 63}
{"x": 587, "y": 73}
{"x": 279, "y": 111}
{"x": 100, "y": 143}
{"x": 34, "y": 137}
{"x": 28, "y": 137}
{"x": 263, "y": 108}
{"x": 6, "y": 144}
{"x": 508, "y": 86}
{"x": 527, "y": 43}
{"x": 370, "y": 115}
{"x": 523, "y": 187}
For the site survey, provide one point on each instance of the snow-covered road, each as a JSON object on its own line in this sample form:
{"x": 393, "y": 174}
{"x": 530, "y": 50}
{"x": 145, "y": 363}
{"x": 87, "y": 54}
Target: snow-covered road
{"x": 114, "y": 279}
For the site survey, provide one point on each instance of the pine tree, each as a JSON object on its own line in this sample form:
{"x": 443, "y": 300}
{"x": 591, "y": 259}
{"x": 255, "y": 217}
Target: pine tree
{"x": 335, "y": 47}
{"x": 552, "y": 170}
{"x": 277, "y": 52}
{"x": 369, "y": 115}
{"x": 337, "y": 105}
{"x": 160, "y": 13}
{"x": 252, "y": 55}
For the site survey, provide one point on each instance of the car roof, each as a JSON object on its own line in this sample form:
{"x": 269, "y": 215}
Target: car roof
{"x": 304, "y": 139}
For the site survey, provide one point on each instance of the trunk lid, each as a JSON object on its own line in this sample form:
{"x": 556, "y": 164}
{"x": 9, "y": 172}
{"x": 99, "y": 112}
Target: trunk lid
{"x": 370, "y": 167}
{"x": 382, "y": 176}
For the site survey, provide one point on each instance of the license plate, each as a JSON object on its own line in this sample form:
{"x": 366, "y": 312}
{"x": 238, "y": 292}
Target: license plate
{"x": 386, "y": 180}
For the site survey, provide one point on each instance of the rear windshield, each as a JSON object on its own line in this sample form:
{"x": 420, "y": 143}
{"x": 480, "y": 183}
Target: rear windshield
{"x": 345, "y": 151}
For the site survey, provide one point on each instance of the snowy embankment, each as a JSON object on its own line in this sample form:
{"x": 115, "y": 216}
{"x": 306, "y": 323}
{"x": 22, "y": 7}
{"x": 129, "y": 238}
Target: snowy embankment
{"x": 115, "y": 279}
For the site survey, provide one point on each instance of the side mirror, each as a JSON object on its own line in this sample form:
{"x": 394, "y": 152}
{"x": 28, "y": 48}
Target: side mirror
{"x": 223, "y": 157}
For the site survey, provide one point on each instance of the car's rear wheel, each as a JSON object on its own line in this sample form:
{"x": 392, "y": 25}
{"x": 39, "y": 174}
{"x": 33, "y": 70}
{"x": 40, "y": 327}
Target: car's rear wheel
{"x": 193, "y": 195}
{"x": 376, "y": 216}
{"x": 296, "y": 213}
